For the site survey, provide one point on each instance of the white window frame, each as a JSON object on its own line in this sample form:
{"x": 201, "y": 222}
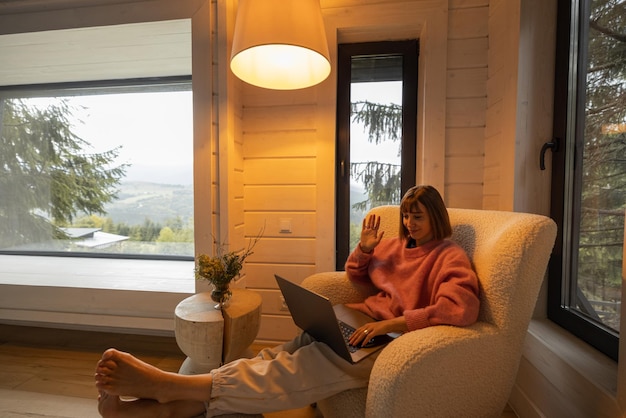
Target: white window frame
{"x": 122, "y": 310}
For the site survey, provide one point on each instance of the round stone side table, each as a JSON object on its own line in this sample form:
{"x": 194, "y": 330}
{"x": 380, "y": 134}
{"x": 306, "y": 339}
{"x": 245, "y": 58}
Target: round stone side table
{"x": 210, "y": 337}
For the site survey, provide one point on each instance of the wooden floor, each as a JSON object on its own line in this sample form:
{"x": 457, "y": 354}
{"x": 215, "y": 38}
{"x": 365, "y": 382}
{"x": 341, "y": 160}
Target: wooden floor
{"x": 61, "y": 362}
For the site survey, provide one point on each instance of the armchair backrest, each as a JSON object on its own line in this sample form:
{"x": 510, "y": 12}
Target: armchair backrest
{"x": 389, "y": 219}
{"x": 510, "y": 253}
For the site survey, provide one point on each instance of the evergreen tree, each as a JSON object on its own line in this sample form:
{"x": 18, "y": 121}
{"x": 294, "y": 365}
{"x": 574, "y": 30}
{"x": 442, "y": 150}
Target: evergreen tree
{"x": 603, "y": 185}
{"x": 381, "y": 180}
{"x": 46, "y": 175}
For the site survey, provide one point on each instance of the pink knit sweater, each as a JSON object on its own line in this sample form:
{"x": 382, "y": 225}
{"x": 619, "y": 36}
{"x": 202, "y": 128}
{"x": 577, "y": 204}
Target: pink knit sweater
{"x": 432, "y": 284}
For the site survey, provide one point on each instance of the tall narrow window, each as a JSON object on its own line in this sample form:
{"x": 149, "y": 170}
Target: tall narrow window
{"x": 589, "y": 170}
{"x": 376, "y": 132}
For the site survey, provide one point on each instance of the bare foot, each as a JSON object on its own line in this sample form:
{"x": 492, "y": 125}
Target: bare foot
{"x": 122, "y": 374}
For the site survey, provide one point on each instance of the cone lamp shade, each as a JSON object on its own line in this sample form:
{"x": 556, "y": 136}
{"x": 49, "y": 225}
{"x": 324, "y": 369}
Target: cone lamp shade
{"x": 280, "y": 44}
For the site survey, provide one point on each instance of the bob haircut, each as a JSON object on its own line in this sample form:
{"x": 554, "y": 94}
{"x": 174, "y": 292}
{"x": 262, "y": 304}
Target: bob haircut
{"x": 436, "y": 210}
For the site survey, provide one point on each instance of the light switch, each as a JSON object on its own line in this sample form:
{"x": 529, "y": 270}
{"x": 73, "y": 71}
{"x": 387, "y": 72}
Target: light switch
{"x": 285, "y": 225}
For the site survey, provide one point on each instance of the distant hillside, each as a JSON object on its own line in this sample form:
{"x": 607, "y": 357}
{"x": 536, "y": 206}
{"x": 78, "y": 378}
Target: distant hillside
{"x": 138, "y": 201}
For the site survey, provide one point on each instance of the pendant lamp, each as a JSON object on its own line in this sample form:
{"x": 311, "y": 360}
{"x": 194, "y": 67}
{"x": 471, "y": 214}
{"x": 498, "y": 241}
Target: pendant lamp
{"x": 280, "y": 44}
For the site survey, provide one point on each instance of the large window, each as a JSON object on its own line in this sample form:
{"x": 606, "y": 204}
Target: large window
{"x": 376, "y": 132}
{"x": 589, "y": 170}
{"x": 103, "y": 171}
{"x": 72, "y": 44}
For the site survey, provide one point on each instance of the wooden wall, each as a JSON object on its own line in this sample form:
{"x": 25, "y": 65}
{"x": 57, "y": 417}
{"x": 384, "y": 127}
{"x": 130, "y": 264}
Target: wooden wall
{"x": 519, "y": 104}
{"x": 466, "y": 99}
{"x": 280, "y": 152}
{"x": 501, "y": 112}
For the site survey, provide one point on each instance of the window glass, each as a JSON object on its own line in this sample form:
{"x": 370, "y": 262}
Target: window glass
{"x": 100, "y": 173}
{"x": 589, "y": 174}
{"x": 602, "y": 175}
{"x": 375, "y": 149}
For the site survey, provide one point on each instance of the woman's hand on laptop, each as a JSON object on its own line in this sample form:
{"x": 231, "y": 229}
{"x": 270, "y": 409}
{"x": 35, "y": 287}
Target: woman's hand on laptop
{"x": 365, "y": 333}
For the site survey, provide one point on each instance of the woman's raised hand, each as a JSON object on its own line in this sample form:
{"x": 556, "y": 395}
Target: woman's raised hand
{"x": 370, "y": 237}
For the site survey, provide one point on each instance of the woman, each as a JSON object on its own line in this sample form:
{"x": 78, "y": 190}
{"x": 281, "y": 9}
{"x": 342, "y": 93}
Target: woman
{"x": 423, "y": 279}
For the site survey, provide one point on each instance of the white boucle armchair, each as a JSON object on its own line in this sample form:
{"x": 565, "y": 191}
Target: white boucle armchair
{"x": 446, "y": 371}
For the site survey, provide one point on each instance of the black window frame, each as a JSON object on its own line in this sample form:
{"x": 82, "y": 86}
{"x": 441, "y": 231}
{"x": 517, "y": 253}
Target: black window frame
{"x": 409, "y": 49}
{"x": 569, "y": 111}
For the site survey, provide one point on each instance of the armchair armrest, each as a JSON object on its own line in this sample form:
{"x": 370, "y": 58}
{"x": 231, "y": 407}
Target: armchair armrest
{"x": 438, "y": 371}
{"x": 336, "y": 286}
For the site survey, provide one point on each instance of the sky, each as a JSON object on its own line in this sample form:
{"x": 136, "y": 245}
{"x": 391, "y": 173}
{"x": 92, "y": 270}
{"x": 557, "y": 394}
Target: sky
{"x": 381, "y": 92}
{"x": 360, "y": 149}
{"x": 155, "y": 131}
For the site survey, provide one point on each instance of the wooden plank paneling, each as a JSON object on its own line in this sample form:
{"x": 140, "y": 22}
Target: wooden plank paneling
{"x": 495, "y": 87}
{"x": 466, "y": 83}
{"x": 491, "y": 156}
{"x": 491, "y": 202}
{"x": 269, "y": 171}
{"x": 260, "y": 97}
{"x": 468, "y": 196}
{"x": 465, "y": 141}
{"x": 465, "y": 112}
{"x": 494, "y": 113}
{"x": 468, "y": 23}
{"x": 491, "y": 186}
{"x": 152, "y": 49}
{"x": 491, "y": 179}
{"x": 467, "y": 53}
{"x": 237, "y": 184}
{"x": 238, "y": 154}
{"x": 283, "y": 198}
{"x": 466, "y": 93}
{"x": 301, "y": 143}
{"x": 504, "y": 50}
{"x": 279, "y": 118}
{"x": 261, "y": 275}
{"x": 464, "y": 4}
{"x": 303, "y": 224}
{"x": 464, "y": 170}
{"x": 280, "y": 250}
{"x": 276, "y": 328}
{"x": 273, "y": 302}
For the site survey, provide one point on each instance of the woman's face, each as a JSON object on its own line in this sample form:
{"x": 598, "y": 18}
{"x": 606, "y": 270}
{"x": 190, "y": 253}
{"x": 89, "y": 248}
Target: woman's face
{"x": 418, "y": 224}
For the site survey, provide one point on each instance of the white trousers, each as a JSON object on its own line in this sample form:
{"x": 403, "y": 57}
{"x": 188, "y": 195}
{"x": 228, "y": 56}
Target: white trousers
{"x": 290, "y": 376}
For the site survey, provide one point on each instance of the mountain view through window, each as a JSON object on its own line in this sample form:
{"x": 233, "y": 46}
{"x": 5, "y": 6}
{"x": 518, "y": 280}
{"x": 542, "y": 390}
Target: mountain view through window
{"x": 98, "y": 174}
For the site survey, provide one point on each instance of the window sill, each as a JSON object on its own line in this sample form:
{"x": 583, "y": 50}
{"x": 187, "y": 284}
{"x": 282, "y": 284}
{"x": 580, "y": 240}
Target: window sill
{"x": 560, "y": 370}
{"x": 98, "y": 273}
{"x": 114, "y": 295}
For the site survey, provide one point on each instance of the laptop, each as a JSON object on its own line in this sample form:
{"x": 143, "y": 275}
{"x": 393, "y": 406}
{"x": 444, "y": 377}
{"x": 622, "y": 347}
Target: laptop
{"x": 332, "y": 325}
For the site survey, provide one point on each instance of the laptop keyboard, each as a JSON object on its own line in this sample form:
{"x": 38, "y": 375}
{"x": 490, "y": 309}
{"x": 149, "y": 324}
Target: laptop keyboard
{"x": 347, "y": 332}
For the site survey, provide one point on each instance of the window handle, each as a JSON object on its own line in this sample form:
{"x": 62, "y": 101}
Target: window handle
{"x": 553, "y": 145}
